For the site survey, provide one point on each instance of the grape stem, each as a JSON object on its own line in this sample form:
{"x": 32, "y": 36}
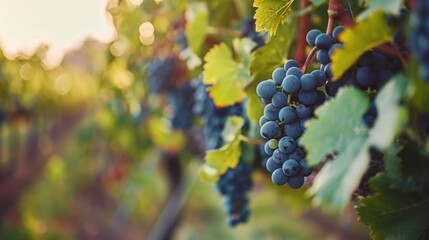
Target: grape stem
{"x": 308, "y": 60}
{"x": 304, "y": 22}
{"x": 223, "y": 31}
{"x": 249, "y": 140}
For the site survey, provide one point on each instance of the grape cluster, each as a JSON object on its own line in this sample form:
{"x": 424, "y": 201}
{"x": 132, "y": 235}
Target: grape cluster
{"x": 290, "y": 97}
{"x": 233, "y": 185}
{"x": 181, "y": 101}
{"x": 159, "y": 73}
{"x": 419, "y": 37}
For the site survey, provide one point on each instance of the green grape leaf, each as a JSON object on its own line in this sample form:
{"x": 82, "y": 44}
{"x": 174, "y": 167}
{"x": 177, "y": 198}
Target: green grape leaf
{"x": 395, "y": 214}
{"x": 391, "y": 118}
{"x": 270, "y": 13}
{"x": 388, "y": 6}
{"x": 218, "y": 161}
{"x": 197, "y": 17}
{"x": 226, "y": 76}
{"x": 263, "y": 62}
{"x": 342, "y": 114}
{"x": 337, "y": 180}
{"x": 367, "y": 34}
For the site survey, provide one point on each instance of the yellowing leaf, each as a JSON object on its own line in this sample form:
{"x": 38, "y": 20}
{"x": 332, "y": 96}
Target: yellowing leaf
{"x": 367, "y": 34}
{"x": 227, "y": 77}
{"x": 218, "y": 161}
{"x": 270, "y": 13}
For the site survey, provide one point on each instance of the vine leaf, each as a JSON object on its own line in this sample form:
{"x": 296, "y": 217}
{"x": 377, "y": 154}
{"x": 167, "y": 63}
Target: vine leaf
{"x": 366, "y": 35}
{"x": 351, "y": 140}
{"x": 226, "y": 76}
{"x": 270, "y": 13}
{"x": 218, "y": 161}
{"x": 388, "y": 6}
{"x": 263, "y": 62}
{"x": 197, "y": 17}
{"x": 344, "y": 114}
{"x": 395, "y": 214}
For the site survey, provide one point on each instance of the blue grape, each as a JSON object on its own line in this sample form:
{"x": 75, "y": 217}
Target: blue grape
{"x": 278, "y": 177}
{"x": 308, "y": 97}
{"x": 304, "y": 169}
{"x": 266, "y": 100}
{"x": 298, "y": 154}
{"x": 308, "y": 82}
{"x": 279, "y": 157}
{"x": 302, "y": 111}
{"x": 279, "y": 100}
{"x": 266, "y": 89}
{"x": 294, "y": 71}
{"x": 323, "y": 57}
{"x": 303, "y": 121}
{"x": 296, "y": 181}
{"x": 311, "y": 36}
{"x": 287, "y": 114}
{"x": 290, "y": 63}
{"x": 293, "y": 130}
{"x": 278, "y": 75}
{"x": 270, "y": 129}
{"x": 271, "y": 113}
{"x": 268, "y": 150}
{"x": 290, "y": 167}
{"x": 333, "y": 48}
{"x": 383, "y": 77}
{"x": 271, "y": 165}
{"x": 291, "y": 84}
{"x": 320, "y": 77}
{"x": 328, "y": 71}
{"x": 324, "y": 41}
{"x": 365, "y": 76}
{"x": 262, "y": 120}
{"x": 287, "y": 145}
{"x": 337, "y": 31}
{"x": 321, "y": 97}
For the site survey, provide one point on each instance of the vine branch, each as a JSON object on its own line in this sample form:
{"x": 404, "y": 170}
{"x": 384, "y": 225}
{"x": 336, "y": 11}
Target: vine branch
{"x": 303, "y": 25}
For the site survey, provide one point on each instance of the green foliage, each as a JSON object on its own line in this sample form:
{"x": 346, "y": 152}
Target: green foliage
{"x": 395, "y": 214}
{"x": 367, "y": 34}
{"x": 388, "y": 6}
{"x": 351, "y": 140}
{"x": 264, "y": 60}
{"x": 270, "y": 13}
{"x": 226, "y": 76}
{"x": 197, "y": 16}
{"x": 228, "y": 156}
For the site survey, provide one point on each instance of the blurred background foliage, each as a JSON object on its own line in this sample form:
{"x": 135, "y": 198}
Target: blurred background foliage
{"x": 87, "y": 152}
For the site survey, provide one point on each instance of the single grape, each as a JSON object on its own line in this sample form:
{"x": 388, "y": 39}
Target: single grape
{"x": 293, "y": 130}
{"x": 266, "y": 100}
{"x": 337, "y": 31}
{"x": 324, "y": 41}
{"x": 287, "y": 114}
{"x": 290, "y": 167}
{"x": 332, "y": 88}
{"x": 271, "y": 165}
{"x": 271, "y": 113}
{"x": 328, "y": 71}
{"x": 268, "y": 150}
{"x": 308, "y": 82}
{"x": 302, "y": 122}
{"x": 262, "y": 120}
{"x": 320, "y": 77}
{"x": 291, "y": 84}
{"x": 279, "y": 100}
{"x": 323, "y": 57}
{"x": 308, "y": 97}
{"x": 302, "y": 111}
{"x": 278, "y": 177}
{"x": 321, "y": 97}
{"x": 296, "y": 181}
{"x": 333, "y": 48}
{"x": 311, "y": 36}
{"x": 304, "y": 169}
{"x": 383, "y": 77}
{"x": 279, "y": 157}
{"x": 270, "y": 129}
{"x": 273, "y": 143}
{"x": 290, "y": 63}
{"x": 294, "y": 71}
{"x": 298, "y": 154}
{"x": 365, "y": 76}
{"x": 287, "y": 145}
{"x": 278, "y": 75}
{"x": 266, "y": 89}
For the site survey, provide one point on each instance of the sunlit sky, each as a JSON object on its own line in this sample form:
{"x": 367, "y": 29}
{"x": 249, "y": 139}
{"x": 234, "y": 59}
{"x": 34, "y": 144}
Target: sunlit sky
{"x": 61, "y": 24}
